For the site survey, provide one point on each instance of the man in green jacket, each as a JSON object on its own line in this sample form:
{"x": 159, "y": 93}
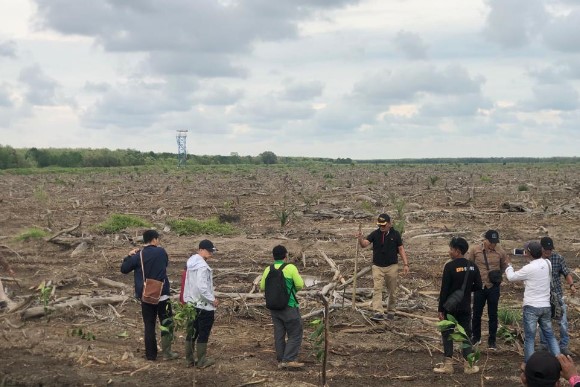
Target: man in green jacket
{"x": 287, "y": 321}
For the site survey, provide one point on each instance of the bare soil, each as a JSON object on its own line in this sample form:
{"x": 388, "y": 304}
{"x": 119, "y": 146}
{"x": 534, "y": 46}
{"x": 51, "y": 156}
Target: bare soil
{"x": 326, "y": 204}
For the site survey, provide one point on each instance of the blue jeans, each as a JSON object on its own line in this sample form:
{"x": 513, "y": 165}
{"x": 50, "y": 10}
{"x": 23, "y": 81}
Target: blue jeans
{"x": 533, "y": 317}
{"x": 563, "y": 324}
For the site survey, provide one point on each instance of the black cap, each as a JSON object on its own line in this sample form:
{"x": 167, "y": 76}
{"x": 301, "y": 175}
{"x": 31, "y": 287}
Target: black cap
{"x": 383, "y": 219}
{"x": 492, "y": 236}
{"x": 547, "y": 243}
{"x": 542, "y": 369}
{"x": 207, "y": 245}
{"x": 534, "y": 248}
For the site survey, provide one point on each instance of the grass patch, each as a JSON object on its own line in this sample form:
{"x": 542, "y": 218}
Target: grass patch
{"x": 508, "y": 316}
{"x": 523, "y": 187}
{"x": 31, "y": 233}
{"x": 118, "y": 222}
{"x": 193, "y": 226}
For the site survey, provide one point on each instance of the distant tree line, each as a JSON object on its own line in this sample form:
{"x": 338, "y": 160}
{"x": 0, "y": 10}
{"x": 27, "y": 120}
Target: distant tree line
{"x": 83, "y": 158}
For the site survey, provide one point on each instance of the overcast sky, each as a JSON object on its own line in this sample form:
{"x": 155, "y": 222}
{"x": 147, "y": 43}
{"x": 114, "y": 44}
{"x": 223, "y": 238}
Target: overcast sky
{"x": 331, "y": 78}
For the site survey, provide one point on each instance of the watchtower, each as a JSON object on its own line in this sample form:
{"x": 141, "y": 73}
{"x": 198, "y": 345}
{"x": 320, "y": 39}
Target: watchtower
{"x": 181, "y": 151}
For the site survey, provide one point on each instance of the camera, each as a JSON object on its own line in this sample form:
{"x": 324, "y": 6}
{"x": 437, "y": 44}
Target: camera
{"x": 519, "y": 251}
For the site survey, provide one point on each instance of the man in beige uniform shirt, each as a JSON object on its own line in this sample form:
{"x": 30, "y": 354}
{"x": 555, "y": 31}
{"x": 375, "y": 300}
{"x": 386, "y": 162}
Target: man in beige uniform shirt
{"x": 491, "y": 262}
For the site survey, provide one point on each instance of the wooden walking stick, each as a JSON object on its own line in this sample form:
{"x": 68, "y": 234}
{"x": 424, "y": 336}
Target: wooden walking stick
{"x": 355, "y": 268}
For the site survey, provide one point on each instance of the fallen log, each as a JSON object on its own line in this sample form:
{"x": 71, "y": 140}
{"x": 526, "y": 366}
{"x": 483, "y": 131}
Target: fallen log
{"x": 65, "y": 231}
{"x": 85, "y": 302}
{"x": 112, "y": 284}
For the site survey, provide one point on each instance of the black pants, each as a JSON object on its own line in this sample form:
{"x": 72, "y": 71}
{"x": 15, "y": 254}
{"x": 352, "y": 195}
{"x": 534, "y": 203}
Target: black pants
{"x": 480, "y": 297}
{"x": 200, "y": 328}
{"x": 464, "y": 319}
{"x": 150, "y": 314}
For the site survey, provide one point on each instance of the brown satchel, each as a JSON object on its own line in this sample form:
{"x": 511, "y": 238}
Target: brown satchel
{"x": 151, "y": 288}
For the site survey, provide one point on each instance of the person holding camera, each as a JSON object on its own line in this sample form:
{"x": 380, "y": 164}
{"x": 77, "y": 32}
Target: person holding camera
{"x": 150, "y": 263}
{"x": 492, "y": 262}
{"x": 460, "y": 279}
{"x": 536, "y": 310}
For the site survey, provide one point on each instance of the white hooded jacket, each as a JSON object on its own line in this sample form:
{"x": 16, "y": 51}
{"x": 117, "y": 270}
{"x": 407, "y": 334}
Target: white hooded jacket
{"x": 198, "y": 289}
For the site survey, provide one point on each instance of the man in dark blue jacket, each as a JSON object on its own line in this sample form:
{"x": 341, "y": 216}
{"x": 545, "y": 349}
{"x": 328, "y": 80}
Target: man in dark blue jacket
{"x": 154, "y": 265}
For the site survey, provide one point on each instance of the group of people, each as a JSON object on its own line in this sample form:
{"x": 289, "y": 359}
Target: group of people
{"x": 480, "y": 271}
{"x": 197, "y": 290}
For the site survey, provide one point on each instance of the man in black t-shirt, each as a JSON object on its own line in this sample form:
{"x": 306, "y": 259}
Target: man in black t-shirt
{"x": 454, "y": 278}
{"x": 387, "y": 245}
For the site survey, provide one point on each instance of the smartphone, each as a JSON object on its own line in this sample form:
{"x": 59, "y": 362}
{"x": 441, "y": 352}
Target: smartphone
{"x": 519, "y": 251}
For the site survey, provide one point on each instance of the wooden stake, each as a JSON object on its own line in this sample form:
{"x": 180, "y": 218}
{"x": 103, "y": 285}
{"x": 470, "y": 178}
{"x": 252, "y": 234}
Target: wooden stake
{"x": 355, "y": 268}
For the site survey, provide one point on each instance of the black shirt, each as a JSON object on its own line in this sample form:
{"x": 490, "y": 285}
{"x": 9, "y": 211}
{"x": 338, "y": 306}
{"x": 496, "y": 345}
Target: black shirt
{"x": 385, "y": 246}
{"x": 453, "y": 276}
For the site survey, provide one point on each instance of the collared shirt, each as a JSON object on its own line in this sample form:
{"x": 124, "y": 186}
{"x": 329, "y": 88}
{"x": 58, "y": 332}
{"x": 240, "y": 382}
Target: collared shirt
{"x": 385, "y": 246}
{"x": 559, "y": 267}
{"x": 496, "y": 259}
{"x": 536, "y": 279}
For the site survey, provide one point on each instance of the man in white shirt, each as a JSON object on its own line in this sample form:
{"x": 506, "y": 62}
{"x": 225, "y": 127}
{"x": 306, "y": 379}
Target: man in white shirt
{"x": 536, "y": 277}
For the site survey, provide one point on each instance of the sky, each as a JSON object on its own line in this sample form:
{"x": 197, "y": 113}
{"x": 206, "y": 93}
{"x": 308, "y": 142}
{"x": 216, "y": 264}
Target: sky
{"x": 364, "y": 79}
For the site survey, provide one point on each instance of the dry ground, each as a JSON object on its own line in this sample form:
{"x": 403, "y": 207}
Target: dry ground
{"x": 327, "y": 204}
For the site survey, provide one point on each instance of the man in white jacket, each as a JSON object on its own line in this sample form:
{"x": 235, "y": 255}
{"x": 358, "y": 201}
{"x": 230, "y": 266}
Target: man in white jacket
{"x": 536, "y": 277}
{"x": 198, "y": 290}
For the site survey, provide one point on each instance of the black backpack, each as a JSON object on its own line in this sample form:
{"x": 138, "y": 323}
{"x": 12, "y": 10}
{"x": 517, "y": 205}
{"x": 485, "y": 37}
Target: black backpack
{"x": 277, "y": 295}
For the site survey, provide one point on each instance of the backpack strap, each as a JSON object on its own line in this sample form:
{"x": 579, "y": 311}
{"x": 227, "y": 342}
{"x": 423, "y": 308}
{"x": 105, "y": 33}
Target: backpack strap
{"x": 292, "y": 288}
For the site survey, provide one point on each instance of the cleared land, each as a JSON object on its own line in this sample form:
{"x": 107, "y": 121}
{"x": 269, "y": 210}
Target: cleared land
{"x": 324, "y": 205}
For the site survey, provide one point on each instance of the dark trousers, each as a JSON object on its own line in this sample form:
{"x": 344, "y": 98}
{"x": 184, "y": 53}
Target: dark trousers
{"x": 287, "y": 322}
{"x": 150, "y": 314}
{"x": 464, "y": 319}
{"x": 480, "y": 297}
{"x": 200, "y": 328}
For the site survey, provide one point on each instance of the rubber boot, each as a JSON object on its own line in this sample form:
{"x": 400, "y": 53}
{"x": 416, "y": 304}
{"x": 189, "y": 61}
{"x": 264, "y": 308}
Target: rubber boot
{"x": 166, "y": 348}
{"x": 202, "y": 360}
{"x": 189, "y": 349}
{"x": 467, "y": 369}
{"x": 445, "y": 368}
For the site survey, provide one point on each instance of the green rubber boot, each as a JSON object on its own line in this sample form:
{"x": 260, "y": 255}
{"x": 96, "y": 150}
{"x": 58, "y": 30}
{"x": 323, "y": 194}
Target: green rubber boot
{"x": 202, "y": 360}
{"x": 166, "y": 348}
{"x": 189, "y": 349}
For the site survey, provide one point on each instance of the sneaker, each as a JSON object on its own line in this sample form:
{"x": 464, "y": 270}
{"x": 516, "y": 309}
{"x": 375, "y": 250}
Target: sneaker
{"x": 378, "y": 317}
{"x": 290, "y": 364}
{"x": 566, "y": 351}
{"x": 492, "y": 347}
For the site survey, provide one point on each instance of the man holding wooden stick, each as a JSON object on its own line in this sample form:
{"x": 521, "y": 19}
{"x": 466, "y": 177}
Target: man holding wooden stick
{"x": 387, "y": 246}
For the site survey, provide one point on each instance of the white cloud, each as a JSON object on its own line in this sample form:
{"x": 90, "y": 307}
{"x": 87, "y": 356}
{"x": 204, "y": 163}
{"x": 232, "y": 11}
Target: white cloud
{"x": 344, "y": 78}
{"x": 410, "y": 45}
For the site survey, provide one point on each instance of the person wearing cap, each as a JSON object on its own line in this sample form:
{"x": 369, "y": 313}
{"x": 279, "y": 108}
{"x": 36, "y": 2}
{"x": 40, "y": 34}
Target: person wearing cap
{"x": 387, "y": 246}
{"x": 496, "y": 259}
{"x": 198, "y": 290}
{"x": 536, "y": 305}
{"x": 458, "y": 273}
{"x": 153, "y": 265}
{"x": 545, "y": 370}
{"x": 559, "y": 268}
{"x": 287, "y": 322}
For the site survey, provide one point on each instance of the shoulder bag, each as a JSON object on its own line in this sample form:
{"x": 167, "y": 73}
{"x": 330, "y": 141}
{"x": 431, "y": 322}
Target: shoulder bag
{"x": 151, "y": 288}
{"x": 494, "y": 276}
{"x": 454, "y": 299}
